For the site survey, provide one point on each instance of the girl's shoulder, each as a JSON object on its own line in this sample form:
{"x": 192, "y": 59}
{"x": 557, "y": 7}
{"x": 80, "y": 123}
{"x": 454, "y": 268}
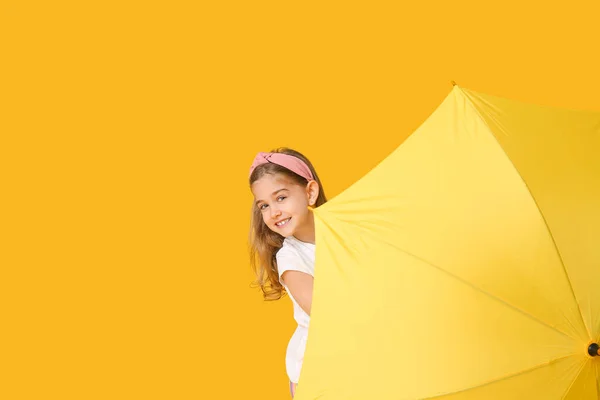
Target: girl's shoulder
{"x": 288, "y": 248}
{"x": 291, "y": 245}
{"x": 295, "y": 255}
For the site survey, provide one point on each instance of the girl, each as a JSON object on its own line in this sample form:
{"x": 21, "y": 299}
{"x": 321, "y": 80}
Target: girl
{"x": 282, "y": 238}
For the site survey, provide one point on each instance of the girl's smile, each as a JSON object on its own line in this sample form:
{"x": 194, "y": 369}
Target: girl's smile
{"x": 282, "y": 223}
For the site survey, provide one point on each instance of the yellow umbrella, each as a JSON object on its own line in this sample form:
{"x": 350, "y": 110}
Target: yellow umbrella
{"x": 466, "y": 265}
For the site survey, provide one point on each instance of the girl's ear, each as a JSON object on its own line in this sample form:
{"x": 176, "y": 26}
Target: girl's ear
{"x": 312, "y": 192}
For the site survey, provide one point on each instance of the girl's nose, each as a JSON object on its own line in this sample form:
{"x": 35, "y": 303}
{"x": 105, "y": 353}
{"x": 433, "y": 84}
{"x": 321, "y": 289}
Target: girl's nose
{"x": 275, "y": 212}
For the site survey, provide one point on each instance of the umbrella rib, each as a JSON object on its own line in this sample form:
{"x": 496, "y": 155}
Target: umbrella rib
{"x": 474, "y": 287}
{"x": 523, "y": 372}
{"x": 598, "y": 379}
{"x": 583, "y": 364}
{"x": 562, "y": 263}
{"x": 471, "y": 285}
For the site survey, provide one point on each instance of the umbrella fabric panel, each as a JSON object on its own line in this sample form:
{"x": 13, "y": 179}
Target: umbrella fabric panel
{"x": 557, "y": 153}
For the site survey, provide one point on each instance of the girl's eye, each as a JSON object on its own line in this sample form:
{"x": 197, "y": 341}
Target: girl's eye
{"x": 262, "y": 206}
{"x": 280, "y": 198}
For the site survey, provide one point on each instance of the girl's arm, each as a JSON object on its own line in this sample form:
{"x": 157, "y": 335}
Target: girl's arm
{"x": 300, "y": 285}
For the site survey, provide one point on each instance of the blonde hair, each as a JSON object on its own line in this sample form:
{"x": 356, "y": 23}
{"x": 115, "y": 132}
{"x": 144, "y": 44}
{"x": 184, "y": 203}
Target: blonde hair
{"x": 263, "y": 242}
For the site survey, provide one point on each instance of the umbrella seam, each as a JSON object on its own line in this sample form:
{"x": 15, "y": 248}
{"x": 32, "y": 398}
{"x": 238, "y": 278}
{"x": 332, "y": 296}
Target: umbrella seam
{"x": 502, "y": 378}
{"x": 481, "y": 290}
{"x": 469, "y": 284}
{"x": 597, "y": 379}
{"x": 575, "y": 380}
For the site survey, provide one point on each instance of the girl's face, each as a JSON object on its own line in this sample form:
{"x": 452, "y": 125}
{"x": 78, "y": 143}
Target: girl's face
{"x": 284, "y": 204}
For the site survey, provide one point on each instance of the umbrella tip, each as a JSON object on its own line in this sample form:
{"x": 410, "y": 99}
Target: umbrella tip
{"x": 453, "y": 83}
{"x": 594, "y": 350}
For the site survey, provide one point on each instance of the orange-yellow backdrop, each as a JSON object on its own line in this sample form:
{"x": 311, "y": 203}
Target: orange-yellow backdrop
{"x": 127, "y": 129}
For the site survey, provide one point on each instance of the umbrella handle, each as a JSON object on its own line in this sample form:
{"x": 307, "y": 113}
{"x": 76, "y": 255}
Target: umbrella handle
{"x": 594, "y": 350}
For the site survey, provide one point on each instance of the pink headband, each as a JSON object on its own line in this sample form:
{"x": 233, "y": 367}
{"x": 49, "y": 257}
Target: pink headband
{"x": 292, "y": 163}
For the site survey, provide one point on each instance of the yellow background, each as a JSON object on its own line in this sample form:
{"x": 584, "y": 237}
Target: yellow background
{"x": 127, "y": 130}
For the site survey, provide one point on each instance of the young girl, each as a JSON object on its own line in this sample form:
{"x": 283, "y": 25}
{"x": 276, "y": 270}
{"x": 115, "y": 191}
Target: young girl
{"x": 282, "y": 238}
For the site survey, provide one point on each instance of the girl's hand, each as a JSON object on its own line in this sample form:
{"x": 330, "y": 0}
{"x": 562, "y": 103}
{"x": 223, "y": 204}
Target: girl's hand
{"x": 300, "y": 285}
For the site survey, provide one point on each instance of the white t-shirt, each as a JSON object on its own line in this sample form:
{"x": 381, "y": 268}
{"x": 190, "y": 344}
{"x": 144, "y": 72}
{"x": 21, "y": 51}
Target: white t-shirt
{"x": 296, "y": 255}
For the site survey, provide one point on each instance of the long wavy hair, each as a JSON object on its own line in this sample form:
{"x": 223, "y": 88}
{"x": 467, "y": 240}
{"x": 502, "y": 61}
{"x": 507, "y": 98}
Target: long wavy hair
{"x": 263, "y": 242}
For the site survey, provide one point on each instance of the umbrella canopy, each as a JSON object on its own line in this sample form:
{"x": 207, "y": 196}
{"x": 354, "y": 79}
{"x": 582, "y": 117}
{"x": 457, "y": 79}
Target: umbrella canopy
{"x": 466, "y": 265}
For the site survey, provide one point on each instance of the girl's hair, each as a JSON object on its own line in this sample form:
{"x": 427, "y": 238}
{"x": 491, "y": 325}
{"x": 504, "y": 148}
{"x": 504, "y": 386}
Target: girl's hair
{"x": 264, "y": 243}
